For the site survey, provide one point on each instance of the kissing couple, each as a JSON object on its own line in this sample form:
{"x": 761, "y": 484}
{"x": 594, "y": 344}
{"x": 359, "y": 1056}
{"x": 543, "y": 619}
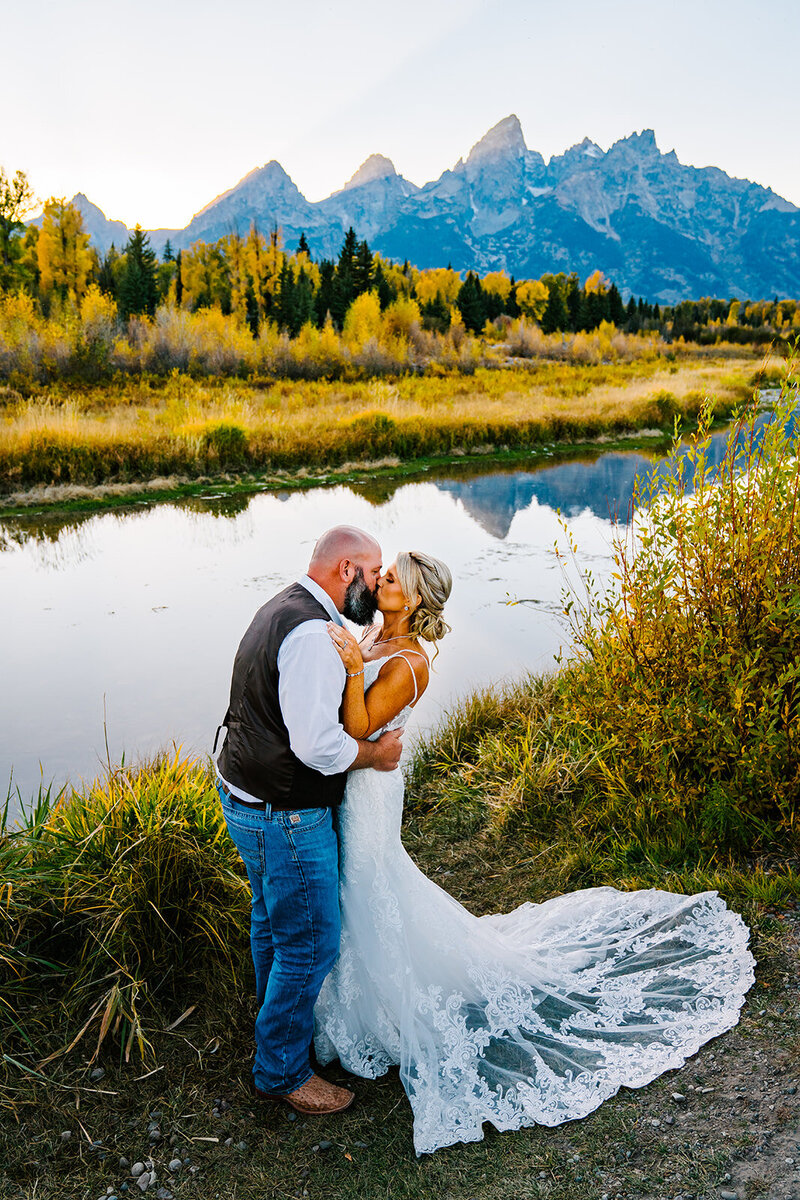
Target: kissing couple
{"x": 530, "y": 1017}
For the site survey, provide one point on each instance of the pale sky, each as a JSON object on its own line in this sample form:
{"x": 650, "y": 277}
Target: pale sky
{"x": 154, "y": 107}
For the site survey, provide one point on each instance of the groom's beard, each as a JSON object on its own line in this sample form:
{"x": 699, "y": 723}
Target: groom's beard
{"x": 360, "y": 604}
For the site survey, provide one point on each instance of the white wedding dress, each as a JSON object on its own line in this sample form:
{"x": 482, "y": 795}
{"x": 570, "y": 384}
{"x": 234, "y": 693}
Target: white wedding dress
{"x": 530, "y": 1017}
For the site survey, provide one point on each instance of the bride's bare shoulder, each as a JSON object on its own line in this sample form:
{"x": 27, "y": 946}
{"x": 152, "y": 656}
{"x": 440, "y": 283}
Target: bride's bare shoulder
{"x": 400, "y": 666}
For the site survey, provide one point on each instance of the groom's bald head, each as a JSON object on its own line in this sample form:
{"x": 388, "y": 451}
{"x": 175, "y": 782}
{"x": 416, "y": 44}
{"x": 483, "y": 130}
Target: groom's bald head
{"x": 347, "y": 560}
{"x": 343, "y": 541}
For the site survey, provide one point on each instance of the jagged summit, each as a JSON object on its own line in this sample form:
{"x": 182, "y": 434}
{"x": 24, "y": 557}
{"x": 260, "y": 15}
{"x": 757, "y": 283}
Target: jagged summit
{"x": 589, "y": 149}
{"x": 377, "y": 166}
{"x": 505, "y": 139}
{"x": 642, "y": 143}
{"x": 260, "y": 181}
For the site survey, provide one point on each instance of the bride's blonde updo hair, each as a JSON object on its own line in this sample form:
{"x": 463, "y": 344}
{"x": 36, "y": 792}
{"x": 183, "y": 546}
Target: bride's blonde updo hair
{"x": 427, "y": 577}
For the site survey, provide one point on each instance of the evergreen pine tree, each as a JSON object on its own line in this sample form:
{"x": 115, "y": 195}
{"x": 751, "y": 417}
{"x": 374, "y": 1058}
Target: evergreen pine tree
{"x": 284, "y": 308}
{"x": 303, "y": 301}
{"x": 594, "y": 310}
{"x": 324, "y": 298}
{"x": 251, "y": 307}
{"x": 555, "y": 316}
{"x": 178, "y": 278}
{"x": 363, "y": 271}
{"x": 632, "y": 322}
{"x": 386, "y": 293}
{"x": 575, "y": 303}
{"x": 435, "y": 314}
{"x": 616, "y": 309}
{"x": 344, "y": 288}
{"x": 302, "y": 245}
{"x": 137, "y": 287}
{"x": 167, "y": 255}
{"x": 512, "y": 308}
{"x": 106, "y": 279}
{"x": 494, "y": 303}
{"x": 471, "y": 303}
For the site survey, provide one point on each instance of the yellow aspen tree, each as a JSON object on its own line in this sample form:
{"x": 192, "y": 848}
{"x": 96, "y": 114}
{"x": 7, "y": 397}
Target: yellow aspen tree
{"x": 204, "y": 275}
{"x": 438, "y": 281}
{"x": 63, "y": 254}
{"x": 363, "y": 320}
{"x": 596, "y": 282}
{"x": 255, "y": 265}
{"x": 733, "y": 313}
{"x": 233, "y": 250}
{"x": 401, "y": 317}
{"x": 497, "y": 283}
{"x": 532, "y": 297}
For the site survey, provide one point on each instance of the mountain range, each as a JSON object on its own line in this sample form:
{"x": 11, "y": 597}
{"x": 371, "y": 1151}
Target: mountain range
{"x": 656, "y": 227}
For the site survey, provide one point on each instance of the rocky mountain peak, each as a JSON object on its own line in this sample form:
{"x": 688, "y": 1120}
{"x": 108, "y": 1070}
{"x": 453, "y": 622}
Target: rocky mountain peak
{"x": 640, "y": 143}
{"x": 261, "y": 183}
{"x": 504, "y": 140}
{"x": 377, "y": 166}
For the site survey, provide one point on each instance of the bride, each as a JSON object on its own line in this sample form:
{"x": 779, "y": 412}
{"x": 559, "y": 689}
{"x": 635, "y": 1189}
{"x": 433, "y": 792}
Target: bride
{"x": 529, "y": 1017}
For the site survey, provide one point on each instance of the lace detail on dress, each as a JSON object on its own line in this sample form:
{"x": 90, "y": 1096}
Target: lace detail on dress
{"x": 529, "y": 1017}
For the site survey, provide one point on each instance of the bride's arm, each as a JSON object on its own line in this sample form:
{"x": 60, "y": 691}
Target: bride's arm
{"x": 364, "y": 712}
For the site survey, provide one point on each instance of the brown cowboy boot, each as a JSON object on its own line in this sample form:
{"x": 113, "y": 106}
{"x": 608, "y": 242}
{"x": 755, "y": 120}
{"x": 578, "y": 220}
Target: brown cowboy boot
{"x": 315, "y": 1098}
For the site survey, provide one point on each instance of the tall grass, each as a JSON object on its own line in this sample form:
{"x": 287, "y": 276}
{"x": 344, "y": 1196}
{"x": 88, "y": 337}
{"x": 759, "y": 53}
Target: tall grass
{"x": 124, "y": 893}
{"x": 188, "y": 428}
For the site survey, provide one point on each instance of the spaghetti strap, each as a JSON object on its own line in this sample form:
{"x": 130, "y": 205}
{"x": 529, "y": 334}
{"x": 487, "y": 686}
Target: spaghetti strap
{"x": 402, "y": 654}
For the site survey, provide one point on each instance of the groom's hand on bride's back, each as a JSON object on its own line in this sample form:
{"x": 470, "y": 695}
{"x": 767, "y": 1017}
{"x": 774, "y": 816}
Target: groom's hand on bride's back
{"x": 383, "y": 754}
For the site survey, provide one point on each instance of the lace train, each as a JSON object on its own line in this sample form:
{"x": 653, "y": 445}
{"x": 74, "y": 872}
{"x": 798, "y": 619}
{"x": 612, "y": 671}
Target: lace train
{"x": 529, "y": 1017}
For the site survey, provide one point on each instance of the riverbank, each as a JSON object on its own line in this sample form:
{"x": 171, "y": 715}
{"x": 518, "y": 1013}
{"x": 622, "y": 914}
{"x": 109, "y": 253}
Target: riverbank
{"x": 182, "y": 435}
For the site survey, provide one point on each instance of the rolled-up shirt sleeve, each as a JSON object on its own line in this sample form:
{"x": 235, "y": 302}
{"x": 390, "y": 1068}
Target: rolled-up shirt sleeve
{"x": 310, "y": 684}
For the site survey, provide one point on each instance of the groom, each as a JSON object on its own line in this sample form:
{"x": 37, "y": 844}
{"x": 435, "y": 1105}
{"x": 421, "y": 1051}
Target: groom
{"x": 281, "y": 772}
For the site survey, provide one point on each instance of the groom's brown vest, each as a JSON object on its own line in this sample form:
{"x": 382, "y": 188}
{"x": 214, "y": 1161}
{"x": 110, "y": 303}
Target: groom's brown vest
{"x": 256, "y": 756}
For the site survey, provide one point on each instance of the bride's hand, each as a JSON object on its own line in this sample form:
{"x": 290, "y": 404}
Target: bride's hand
{"x": 347, "y": 647}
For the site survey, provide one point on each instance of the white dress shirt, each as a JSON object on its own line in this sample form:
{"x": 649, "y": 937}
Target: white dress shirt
{"x": 310, "y": 686}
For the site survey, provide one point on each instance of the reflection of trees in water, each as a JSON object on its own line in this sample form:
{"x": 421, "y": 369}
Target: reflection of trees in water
{"x": 43, "y": 527}
{"x": 52, "y": 527}
{"x": 229, "y": 506}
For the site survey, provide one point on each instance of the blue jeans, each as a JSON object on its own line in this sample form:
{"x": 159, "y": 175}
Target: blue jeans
{"x": 293, "y": 866}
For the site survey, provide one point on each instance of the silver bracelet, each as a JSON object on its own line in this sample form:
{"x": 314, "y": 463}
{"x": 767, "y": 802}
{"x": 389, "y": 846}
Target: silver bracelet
{"x": 352, "y": 674}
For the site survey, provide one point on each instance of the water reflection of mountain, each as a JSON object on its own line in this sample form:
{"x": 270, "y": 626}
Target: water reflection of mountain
{"x": 604, "y": 486}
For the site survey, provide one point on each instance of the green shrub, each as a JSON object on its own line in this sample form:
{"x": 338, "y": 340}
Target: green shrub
{"x": 687, "y": 672}
{"x": 225, "y": 444}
